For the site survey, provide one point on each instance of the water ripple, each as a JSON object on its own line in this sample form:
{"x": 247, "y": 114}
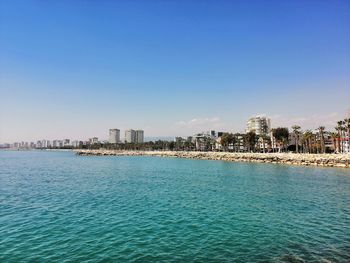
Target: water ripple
{"x": 55, "y": 207}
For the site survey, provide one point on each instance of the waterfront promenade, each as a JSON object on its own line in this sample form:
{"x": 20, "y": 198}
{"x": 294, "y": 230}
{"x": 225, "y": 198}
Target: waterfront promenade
{"x": 324, "y": 160}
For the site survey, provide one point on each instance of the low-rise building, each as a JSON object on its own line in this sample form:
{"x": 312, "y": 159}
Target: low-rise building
{"x": 93, "y": 140}
{"x": 205, "y": 141}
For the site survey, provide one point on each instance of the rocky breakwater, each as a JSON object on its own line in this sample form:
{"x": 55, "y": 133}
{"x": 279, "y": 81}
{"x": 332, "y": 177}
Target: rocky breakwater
{"x": 325, "y": 160}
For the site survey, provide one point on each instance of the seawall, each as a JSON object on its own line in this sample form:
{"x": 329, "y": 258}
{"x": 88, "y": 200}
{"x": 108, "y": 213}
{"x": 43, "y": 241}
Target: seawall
{"x": 324, "y": 160}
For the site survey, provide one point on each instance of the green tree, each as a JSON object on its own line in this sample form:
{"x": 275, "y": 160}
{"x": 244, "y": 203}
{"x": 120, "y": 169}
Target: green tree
{"x": 308, "y": 140}
{"x": 171, "y": 146}
{"x": 227, "y": 139}
{"x": 340, "y": 128}
{"x": 296, "y": 133}
{"x": 250, "y": 141}
{"x": 281, "y": 135}
{"x": 334, "y": 137}
{"x": 347, "y": 125}
{"x": 321, "y": 131}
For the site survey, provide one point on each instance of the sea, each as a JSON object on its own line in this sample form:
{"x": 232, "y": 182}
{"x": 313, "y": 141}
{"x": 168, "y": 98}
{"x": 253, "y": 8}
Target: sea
{"x": 60, "y": 207}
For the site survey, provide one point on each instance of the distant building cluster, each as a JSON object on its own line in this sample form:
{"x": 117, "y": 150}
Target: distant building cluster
{"x": 134, "y": 136}
{"x": 45, "y": 144}
{"x": 258, "y": 137}
{"x": 131, "y": 136}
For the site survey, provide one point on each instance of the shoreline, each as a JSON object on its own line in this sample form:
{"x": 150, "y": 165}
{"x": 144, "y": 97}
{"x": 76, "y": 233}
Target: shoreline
{"x": 321, "y": 160}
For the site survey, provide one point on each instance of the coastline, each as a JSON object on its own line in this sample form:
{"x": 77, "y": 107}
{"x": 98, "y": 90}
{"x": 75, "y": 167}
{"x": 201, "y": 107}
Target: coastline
{"x": 322, "y": 160}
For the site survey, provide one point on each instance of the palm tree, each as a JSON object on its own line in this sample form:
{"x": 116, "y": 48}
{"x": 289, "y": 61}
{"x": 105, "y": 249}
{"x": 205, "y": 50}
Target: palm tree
{"x": 321, "y": 130}
{"x": 334, "y": 136}
{"x": 265, "y": 140}
{"x": 343, "y": 134}
{"x": 296, "y": 131}
{"x": 281, "y": 135}
{"x": 347, "y": 126}
{"x": 307, "y": 137}
{"x": 226, "y": 140}
{"x": 339, "y": 130}
{"x": 250, "y": 140}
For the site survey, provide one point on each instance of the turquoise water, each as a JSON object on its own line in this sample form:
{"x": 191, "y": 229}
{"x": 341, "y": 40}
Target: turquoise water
{"x": 58, "y": 207}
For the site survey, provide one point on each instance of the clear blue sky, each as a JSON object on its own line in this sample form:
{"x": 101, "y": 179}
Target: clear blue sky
{"x": 76, "y": 68}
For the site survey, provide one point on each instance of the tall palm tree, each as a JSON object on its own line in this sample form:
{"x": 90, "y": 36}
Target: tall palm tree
{"x": 250, "y": 141}
{"x": 347, "y": 126}
{"x": 339, "y": 129}
{"x": 302, "y": 143}
{"x": 296, "y": 132}
{"x": 308, "y": 138}
{"x": 281, "y": 134}
{"x": 343, "y": 133}
{"x": 321, "y": 131}
{"x": 334, "y": 136}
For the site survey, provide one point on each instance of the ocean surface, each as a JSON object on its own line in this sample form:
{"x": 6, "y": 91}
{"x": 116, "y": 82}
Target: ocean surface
{"x": 59, "y": 207}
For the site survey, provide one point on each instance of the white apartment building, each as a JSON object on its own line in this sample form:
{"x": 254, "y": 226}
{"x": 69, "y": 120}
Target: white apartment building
{"x": 130, "y": 136}
{"x": 114, "y": 136}
{"x": 261, "y": 125}
{"x": 45, "y": 144}
{"x": 139, "y": 136}
{"x": 134, "y": 136}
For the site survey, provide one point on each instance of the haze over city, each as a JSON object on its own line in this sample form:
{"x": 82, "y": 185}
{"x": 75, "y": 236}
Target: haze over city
{"x": 76, "y": 69}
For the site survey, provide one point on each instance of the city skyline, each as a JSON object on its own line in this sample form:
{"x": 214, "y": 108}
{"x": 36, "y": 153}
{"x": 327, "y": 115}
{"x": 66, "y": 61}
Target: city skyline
{"x": 200, "y": 125}
{"x": 260, "y": 124}
{"x": 74, "y": 70}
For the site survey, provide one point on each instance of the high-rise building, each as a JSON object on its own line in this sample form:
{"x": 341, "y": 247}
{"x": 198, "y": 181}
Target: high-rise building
{"x": 130, "y": 136}
{"x": 139, "y": 136}
{"x": 261, "y": 125}
{"x": 114, "y": 135}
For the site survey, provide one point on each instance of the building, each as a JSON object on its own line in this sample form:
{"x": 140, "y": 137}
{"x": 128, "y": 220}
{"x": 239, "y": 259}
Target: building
{"x": 139, "y": 135}
{"x": 261, "y": 125}
{"x": 38, "y": 144}
{"x": 5, "y": 145}
{"x": 16, "y": 145}
{"x": 66, "y": 142}
{"x": 114, "y": 136}
{"x": 93, "y": 140}
{"x": 130, "y": 136}
{"x": 205, "y": 141}
{"x": 77, "y": 144}
{"x": 57, "y": 144}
